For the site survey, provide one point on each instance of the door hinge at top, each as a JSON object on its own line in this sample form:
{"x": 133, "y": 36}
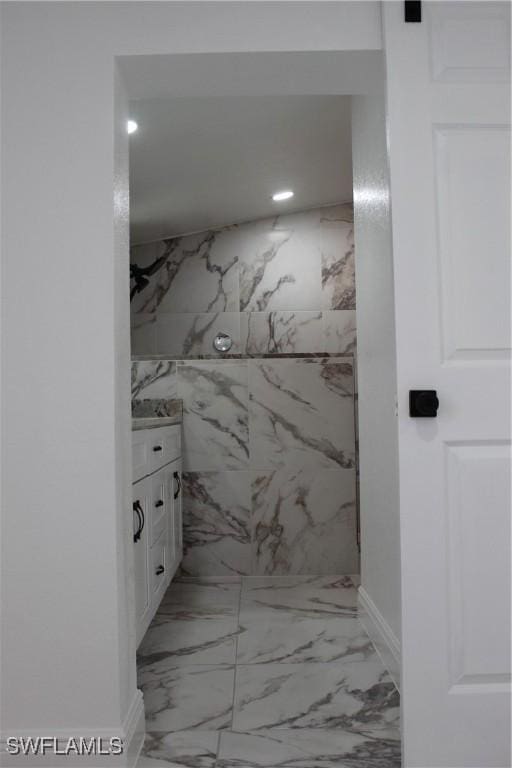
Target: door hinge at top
{"x": 412, "y": 10}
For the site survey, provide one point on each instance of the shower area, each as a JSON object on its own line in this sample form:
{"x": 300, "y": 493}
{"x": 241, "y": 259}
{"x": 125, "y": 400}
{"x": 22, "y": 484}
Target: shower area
{"x": 269, "y": 427}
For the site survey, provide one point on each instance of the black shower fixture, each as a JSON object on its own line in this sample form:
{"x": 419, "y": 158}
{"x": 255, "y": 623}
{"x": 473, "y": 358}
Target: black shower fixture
{"x": 140, "y": 275}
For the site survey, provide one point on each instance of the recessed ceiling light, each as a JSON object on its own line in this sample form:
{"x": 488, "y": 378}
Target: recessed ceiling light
{"x": 284, "y": 195}
{"x": 131, "y": 126}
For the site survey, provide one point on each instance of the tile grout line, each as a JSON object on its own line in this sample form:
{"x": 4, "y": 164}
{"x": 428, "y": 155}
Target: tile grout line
{"x": 236, "y": 652}
{"x": 234, "y": 676}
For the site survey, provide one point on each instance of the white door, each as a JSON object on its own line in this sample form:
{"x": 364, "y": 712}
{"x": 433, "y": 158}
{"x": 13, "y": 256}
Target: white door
{"x": 449, "y": 143}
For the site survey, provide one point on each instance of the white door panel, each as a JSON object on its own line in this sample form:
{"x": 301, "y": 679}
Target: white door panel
{"x": 449, "y": 143}
{"x": 477, "y": 507}
{"x": 472, "y": 171}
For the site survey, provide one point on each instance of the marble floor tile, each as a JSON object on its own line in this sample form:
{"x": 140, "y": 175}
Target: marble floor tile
{"x": 186, "y": 698}
{"x": 307, "y": 691}
{"x": 306, "y": 748}
{"x": 308, "y": 596}
{"x": 358, "y": 696}
{"x": 186, "y": 595}
{"x": 267, "y": 638}
{"x": 206, "y": 636}
{"x": 188, "y": 749}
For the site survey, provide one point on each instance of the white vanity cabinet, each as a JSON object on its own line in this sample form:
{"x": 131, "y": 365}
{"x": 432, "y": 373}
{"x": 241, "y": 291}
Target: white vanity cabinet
{"x": 157, "y": 517}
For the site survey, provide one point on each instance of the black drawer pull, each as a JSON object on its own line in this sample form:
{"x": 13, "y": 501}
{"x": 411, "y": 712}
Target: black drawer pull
{"x": 159, "y": 503}
{"x": 178, "y": 489}
{"x": 137, "y": 508}
{"x": 157, "y": 448}
{"x": 159, "y": 570}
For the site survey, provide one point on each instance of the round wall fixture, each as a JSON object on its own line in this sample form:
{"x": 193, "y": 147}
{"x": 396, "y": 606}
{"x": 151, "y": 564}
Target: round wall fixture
{"x": 222, "y": 342}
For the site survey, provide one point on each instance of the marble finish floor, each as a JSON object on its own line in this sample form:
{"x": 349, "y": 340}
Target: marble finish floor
{"x": 265, "y": 672}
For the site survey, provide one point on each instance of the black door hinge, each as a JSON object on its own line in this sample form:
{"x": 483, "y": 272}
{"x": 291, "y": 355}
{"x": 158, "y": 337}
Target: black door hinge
{"x": 412, "y": 10}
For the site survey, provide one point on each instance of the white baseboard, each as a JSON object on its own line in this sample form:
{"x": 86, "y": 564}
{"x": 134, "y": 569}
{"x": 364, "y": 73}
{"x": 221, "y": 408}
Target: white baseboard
{"x": 131, "y": 733}
{"x": 382, "y": 636}
{"x": 134, "y": 727}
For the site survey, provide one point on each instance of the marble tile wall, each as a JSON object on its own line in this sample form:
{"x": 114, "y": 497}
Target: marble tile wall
{"x": 268, "y": 442}
{"x": 268, "y": 462}
{"x": 279, "y": 285}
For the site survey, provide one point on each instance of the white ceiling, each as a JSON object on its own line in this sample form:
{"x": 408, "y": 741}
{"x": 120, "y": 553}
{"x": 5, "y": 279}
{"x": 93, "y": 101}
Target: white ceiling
{"x": 197, "y": 163}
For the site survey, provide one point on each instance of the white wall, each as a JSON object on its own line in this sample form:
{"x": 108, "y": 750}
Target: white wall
{"x": 67, "y": 643}
{"x": 376, "y": 373}
{"x": 67, "y": 650}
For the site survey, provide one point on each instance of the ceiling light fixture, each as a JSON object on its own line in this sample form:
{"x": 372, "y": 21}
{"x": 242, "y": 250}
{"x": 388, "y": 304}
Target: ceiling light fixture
{"x": 284, "y": 195}
{"x": 131, "y": 126}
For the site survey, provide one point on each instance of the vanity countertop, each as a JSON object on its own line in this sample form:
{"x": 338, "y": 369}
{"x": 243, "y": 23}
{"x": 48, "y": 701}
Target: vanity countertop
{"x": 173, "y": 415}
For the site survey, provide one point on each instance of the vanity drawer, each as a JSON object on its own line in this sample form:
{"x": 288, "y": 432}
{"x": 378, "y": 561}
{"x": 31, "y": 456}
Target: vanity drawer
{"x": 164, "y": 445}
{"x": 158, "y": 503}
{"x": 140, "y": 455}
{"x": 153, "y": 448}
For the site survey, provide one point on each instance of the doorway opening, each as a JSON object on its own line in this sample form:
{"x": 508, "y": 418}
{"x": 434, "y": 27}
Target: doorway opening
{"x": 243, "y": 307}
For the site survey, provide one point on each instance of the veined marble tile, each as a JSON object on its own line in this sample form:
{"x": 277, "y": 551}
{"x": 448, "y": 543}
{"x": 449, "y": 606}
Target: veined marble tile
{"x": 297, "y": 639}
{"x": 280, "y": 264}
{"x": 190, "y": 637}
{"x": 154, "y": 379}
{"x": 216, "y": 523}
{"x": 187, "y": 697}
{"x": 319, "y": 597}
{"x": 187, "y": 334}
{"x": 199, "y": 274}
{"x": 358, "y": 697}
{"x": 339, "y": 331}
{"x": 195, "y": 596}
{"x": 338, "y": 263}
{"x": 147, "y": 255}
{"x": 154, "y": 408}
{"x": 280, "y": 331}
{"x": 215, "y": 415}
{"x": 304, "y": 521}
{"x": 187, "y": 749}
{"x": 301, "y": 414}
{"x": 143, "y": 334}
{"x": 306, "y": 748}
